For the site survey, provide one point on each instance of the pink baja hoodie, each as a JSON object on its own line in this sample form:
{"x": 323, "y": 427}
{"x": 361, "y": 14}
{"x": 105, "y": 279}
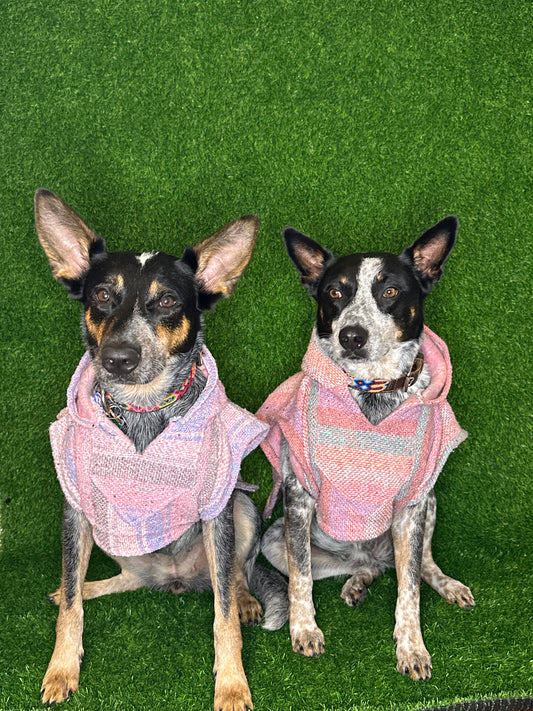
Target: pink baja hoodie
{"x": 359, "y": 473}
{"x": 138, "y": 503}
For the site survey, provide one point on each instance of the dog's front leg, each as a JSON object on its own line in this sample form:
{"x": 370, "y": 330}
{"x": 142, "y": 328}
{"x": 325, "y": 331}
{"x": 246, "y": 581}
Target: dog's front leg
{"x": 408, "y": 536}
{"x": 298, "y": 508}
{"x": 231, "y": 687}
{"x": 62, "y": 676}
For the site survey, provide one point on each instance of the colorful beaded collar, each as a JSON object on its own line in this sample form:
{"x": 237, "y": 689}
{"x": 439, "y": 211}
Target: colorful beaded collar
{"x": 111, "y": 405}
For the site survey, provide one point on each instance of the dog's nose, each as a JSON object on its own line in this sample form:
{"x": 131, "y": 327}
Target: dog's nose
{"x": 353, "y": 338}
{"x": 120, "y": 358}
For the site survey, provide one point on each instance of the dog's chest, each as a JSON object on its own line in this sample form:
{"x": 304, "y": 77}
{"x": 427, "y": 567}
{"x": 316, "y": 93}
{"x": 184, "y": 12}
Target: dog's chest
{"x": 377, "y": 406}
{"x": 142, "y": 428}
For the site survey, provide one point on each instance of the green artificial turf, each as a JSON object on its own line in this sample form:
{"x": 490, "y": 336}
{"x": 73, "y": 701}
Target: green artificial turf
{"x": 360, "y": 123}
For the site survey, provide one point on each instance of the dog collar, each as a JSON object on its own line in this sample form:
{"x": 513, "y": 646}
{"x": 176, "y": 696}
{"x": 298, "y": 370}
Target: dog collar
{"x": 111, "y": 405}
{"x": 386, "y": 386}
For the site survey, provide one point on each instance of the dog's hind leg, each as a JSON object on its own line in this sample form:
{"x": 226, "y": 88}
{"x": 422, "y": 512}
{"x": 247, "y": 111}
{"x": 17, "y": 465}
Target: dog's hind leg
{"x": 451, "y": 590}
{"x": 355, "y": 589}
{"x": 372, "y": 557}
{"x": 62, "y": 676}
{"x": 155, "y": 570}
{"x": 122, "y": 582}
{"x": 363, "y": 562}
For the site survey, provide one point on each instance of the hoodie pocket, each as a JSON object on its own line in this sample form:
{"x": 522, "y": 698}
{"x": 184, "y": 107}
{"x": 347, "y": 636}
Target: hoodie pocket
{"x": 132, "y": 514}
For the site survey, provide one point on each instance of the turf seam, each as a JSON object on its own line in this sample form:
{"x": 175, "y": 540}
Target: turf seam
{"x": 503, "y": 704}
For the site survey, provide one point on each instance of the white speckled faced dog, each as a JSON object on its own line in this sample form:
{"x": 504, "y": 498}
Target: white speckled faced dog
{"x": 359, "y": 437}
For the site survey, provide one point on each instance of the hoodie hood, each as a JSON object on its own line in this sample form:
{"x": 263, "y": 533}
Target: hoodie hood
{"x": 328, "y": 374}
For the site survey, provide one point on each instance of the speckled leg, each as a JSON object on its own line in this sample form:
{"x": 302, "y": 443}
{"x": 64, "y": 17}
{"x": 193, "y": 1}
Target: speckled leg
{"x": 451, "y": 590}
{"x": 408, "y": 535}
{"x": 306, "y": 636}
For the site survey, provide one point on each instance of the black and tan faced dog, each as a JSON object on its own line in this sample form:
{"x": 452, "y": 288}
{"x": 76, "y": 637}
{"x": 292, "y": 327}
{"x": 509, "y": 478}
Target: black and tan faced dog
{"x": 346, "y": 448}
{"x": 142, "y": 326}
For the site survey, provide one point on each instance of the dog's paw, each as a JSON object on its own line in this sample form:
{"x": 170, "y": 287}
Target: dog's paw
{"x": 176, "y": 588}
{"x": 354, "y": 592}
{"x": 250, "y": 610}
{"x": 59, "y": 685}
{"x": 54, "y": 597}
{"x": 233, "y": 696}
{"x": 416, "y": 664}
{"x": 309, "y": 642}
{"x": 459, "y": 594}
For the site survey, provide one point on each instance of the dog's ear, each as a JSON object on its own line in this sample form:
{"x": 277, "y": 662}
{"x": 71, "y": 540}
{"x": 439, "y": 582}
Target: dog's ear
{"x": 309, "y": 257}
{"x": 428, "y": 254}
{"x": 67, "y": 241}
{"x": 219, "y": 260}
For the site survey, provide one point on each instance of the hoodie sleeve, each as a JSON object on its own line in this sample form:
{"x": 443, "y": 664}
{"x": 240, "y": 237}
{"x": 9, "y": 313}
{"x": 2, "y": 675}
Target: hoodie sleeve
{"x": 62, "y": 441}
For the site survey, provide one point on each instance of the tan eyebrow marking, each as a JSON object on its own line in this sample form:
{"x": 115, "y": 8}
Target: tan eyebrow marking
{"x": 155, "y": 288}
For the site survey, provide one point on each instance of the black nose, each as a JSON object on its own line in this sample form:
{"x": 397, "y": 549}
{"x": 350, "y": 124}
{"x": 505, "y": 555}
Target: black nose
{"x": 120, "y": 358}
{"x": 353, "y": 338}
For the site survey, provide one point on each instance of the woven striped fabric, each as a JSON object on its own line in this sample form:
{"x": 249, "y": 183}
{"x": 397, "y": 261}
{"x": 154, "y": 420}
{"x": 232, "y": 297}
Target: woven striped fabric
{"x": 138, "y": 503}
{"x": 360, "y": 474}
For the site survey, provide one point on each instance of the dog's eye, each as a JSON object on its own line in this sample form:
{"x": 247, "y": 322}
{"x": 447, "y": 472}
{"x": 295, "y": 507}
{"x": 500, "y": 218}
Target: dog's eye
{"x": 335, "y": 294}
{"x": 103, "y": 296}
{"x": 167, "y": 301}
{"x": 390, "y": 292}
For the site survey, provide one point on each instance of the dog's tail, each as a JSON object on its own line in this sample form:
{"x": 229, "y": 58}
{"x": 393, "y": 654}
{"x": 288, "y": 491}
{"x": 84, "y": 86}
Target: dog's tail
{"x": 271, "y": 588}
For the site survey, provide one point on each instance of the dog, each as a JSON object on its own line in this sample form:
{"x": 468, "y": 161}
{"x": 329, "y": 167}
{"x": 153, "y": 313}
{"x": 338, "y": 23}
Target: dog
{"x": 147, "y": 381}
{"x": 358, "y": 438}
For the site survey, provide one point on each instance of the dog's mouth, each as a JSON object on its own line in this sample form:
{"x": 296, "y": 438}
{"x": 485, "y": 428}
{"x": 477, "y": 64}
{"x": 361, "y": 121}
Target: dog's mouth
{"x": 140, "y": 378}
{"x": 354, "y": 355}
{"x": 359, "y": 363}
{"x": 137, "y": 392}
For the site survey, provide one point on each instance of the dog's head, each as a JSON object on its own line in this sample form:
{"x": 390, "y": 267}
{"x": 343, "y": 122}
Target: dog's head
{"x": 141, "y": 311}
{"x": 370, "y": 305}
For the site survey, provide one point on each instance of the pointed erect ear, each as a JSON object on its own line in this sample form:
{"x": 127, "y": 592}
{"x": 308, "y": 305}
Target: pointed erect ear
{"x": 67, "y": 241}
{"x": 219, "y": 260}
{"x": 428, "y": 254}
{"x": 309, "y": 257}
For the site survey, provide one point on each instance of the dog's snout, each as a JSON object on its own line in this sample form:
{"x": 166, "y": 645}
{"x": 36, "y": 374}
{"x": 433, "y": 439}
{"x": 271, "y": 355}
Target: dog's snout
{"x": 353, "y": 338}
{"x": 120, "y": 358}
